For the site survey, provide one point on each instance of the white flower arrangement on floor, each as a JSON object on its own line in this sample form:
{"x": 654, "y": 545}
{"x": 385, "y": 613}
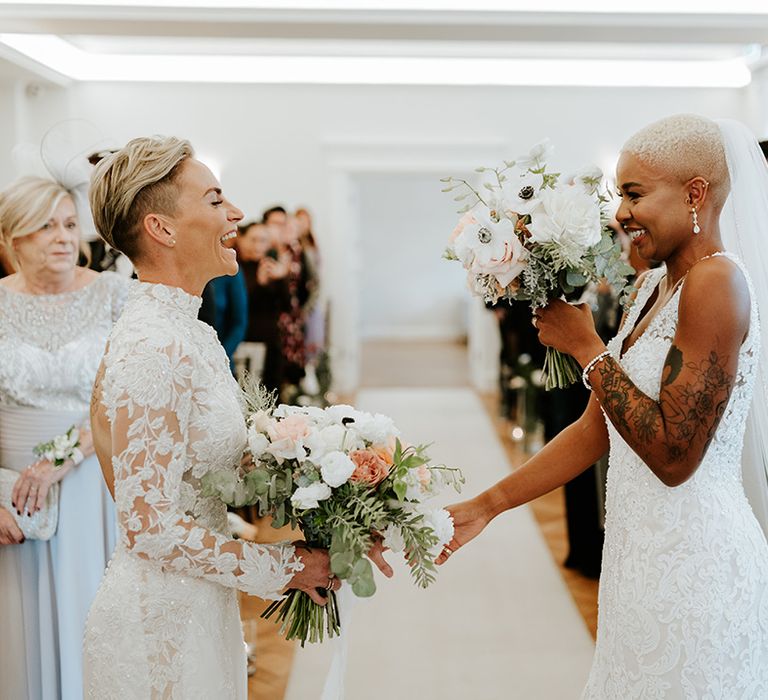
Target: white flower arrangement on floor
{"x": 527, "y": 236}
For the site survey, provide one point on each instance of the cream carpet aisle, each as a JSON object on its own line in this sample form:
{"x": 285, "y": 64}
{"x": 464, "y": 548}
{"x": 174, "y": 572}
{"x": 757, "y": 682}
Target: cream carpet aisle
{"x": 499, "y": 622}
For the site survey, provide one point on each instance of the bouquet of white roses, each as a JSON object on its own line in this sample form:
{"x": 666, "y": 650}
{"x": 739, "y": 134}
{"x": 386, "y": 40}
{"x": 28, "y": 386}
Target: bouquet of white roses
{"x": 525, "y": 235}
{"x": 344, "y": 477}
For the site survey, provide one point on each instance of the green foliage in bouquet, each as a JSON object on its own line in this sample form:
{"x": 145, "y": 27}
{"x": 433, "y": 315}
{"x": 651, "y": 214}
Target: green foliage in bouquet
{"x": 526, "y": 236}
{"x": 347, "y": 524}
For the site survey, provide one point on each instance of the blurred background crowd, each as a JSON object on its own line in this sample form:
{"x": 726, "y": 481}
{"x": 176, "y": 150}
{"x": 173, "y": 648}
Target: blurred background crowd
{"x": 271, "y": 317}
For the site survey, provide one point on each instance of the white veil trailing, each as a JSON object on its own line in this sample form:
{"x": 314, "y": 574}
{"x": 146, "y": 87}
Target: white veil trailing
{"x": 744, "y": 229}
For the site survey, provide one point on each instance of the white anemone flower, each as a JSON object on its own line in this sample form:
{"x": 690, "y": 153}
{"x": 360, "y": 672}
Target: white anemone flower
{"x": 491, "y": 248}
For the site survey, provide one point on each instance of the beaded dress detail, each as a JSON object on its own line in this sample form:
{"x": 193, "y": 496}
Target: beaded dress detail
{"x": 165, "y": 622}
{"x": 683, "y": 601}
{"x": 51, "y": 344}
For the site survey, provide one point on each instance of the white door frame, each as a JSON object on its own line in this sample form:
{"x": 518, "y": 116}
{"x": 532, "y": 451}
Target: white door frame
{"x": 344, "y": 161}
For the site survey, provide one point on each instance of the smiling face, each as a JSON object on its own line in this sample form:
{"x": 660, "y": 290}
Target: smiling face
{"x": 653, "y": 209}
{"x": 203, "y": 223}
{"x": 52, "y": 249}
{"x": 255, "y": 242}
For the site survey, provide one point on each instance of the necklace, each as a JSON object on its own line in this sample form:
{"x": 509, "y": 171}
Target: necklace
{"x": 696, "y": 262}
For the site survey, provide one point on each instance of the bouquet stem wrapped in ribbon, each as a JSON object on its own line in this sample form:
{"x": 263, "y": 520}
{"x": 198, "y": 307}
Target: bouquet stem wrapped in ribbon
{"x": 346, "y": 480}
{"x": 526, "y": 236}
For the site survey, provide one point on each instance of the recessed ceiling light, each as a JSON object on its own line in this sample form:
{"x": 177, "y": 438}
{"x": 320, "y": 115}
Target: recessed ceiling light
{"x": 566, "y": 6}
{"x": 63, "y": 57}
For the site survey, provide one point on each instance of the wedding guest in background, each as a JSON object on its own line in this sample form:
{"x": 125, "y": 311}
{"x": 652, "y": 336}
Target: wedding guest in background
{"x": 231, "y": 308}
{"x": 207, "y": 312}
{"x": 562, "y": 407}
{"x": 267, "y": 293}
{"x": 54, "y": 321}
{"x": 292, "y": 319}
{"x": 314, "y": 308}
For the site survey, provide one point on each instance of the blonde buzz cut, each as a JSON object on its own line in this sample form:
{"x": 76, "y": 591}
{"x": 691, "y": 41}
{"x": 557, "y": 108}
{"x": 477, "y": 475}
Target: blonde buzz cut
{"x": 137, "y": 180}
{"x": 685, "y": 146}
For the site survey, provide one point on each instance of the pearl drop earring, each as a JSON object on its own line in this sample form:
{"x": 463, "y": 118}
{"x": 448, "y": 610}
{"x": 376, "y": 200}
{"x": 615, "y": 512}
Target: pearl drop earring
{"x": 695, "y": 216}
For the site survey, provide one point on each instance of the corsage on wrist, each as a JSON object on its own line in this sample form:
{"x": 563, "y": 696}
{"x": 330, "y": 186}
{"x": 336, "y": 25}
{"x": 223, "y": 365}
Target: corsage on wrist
{"x": 61, "y": 449}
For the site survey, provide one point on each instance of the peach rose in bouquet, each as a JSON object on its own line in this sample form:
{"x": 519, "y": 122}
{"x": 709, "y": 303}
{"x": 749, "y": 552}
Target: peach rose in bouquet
{"x": 370, "y": 468}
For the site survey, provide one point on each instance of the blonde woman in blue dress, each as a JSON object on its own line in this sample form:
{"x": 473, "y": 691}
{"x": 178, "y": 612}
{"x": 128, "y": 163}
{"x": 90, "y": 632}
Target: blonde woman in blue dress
{"x": 54, "y": 321}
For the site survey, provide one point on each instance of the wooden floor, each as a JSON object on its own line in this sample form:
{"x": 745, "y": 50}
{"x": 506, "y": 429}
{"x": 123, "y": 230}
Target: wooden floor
{"x": 411, "y": 364}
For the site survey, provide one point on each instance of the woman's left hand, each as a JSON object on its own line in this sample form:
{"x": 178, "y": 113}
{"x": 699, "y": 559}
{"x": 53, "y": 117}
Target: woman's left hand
{"x": 32, "y": 486}
{"x": 568, "y": 328}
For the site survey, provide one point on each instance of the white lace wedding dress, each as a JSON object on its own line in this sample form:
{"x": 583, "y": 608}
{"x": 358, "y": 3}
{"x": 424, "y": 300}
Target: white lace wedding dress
{"x": 683, "y": 602}
{"x": 165, "y": 622}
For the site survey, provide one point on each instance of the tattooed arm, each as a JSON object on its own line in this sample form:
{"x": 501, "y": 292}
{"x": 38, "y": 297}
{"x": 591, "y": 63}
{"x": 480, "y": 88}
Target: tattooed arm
{"x": 577, "y": 447}
{"x": 671, "y": 435}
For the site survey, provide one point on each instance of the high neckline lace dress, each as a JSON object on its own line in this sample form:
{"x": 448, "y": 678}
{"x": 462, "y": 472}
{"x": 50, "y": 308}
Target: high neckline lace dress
{"x": 165, "y": 622}
{"x": 683, "y": 601}
{"x": 50, "y": 349}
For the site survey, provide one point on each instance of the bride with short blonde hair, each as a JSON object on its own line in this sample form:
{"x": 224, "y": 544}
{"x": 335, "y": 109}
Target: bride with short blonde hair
{"x": 166, "y": 411}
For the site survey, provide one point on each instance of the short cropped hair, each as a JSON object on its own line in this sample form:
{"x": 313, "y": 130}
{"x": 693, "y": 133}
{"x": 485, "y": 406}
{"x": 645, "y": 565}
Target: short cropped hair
{"x": 25, "y": 207}
{"x": 137, "y": 180}
{"x": 685, "y": 146}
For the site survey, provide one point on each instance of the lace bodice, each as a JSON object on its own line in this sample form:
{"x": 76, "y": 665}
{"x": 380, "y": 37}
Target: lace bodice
{"x": 176, "y": 414}
{"x": 683, "y": 603}
{"x": 51, "y": 345}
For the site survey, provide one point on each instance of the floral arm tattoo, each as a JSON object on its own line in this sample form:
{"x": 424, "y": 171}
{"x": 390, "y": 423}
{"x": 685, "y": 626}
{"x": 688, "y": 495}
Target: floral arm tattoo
{"x": 685, "y": 417}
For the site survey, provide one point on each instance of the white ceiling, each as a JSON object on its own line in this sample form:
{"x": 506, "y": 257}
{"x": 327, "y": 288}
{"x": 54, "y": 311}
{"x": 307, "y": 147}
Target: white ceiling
{"x": 246, "y": 28}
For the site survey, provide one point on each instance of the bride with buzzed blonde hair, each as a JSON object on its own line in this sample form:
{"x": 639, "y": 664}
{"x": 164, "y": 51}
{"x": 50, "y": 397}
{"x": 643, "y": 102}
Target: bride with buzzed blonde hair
{"x": 680, "y": 400}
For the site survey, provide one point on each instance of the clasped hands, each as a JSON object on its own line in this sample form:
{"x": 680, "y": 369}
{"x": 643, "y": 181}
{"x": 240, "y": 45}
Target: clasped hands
{"x": 316, "y": 578}
{"x": 28, "y": 497}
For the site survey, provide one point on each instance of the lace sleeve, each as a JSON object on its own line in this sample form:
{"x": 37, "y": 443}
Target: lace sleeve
{"x": 151, "y": 395}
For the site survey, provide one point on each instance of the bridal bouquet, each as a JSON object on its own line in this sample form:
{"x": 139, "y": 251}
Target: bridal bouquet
{"x": 344, "y": 477}
{"x": 526, "y": 235}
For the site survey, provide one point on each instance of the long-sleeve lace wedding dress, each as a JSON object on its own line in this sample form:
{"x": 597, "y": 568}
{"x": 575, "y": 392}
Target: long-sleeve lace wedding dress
{"x": 165, "y": 622}
{"x": 683, "y": 602}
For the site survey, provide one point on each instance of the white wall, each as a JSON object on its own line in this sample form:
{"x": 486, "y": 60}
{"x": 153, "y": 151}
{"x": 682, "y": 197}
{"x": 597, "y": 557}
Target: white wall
{"x": 405, "y": 290}
{"x": 282, "y": 143}
{"x": 7, "y": 131}
{"x": 758, "y": 103}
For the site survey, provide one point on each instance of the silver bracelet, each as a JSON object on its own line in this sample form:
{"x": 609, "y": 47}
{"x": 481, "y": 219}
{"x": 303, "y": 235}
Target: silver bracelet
{"x": 590, "y": 366}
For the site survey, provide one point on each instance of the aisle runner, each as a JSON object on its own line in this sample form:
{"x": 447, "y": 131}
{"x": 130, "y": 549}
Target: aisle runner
{"x": 498, "y": 624}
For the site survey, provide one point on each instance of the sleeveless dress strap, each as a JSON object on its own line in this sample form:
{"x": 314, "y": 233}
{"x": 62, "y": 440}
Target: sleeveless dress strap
{"x": 647, "y": 288}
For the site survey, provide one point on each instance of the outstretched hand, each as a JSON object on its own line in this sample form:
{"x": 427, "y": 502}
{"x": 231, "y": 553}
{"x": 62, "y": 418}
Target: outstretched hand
{"x": 376, "y": 555}
{"x": 469, "y": 520}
